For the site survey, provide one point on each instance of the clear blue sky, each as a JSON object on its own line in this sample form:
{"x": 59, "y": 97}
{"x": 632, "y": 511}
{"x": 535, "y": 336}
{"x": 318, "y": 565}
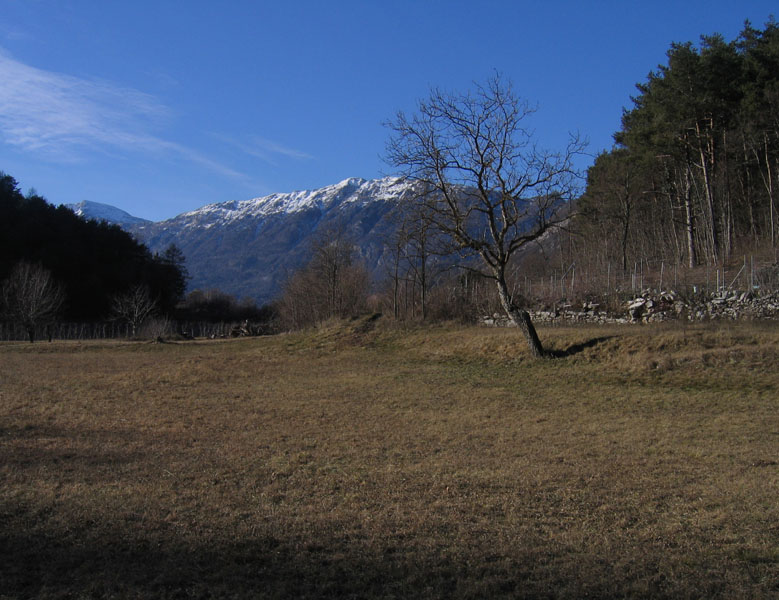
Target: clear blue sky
{"x": 159, "y": 107}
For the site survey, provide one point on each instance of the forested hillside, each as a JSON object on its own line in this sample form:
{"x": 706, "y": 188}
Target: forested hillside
{"x": 692, "y": 179}
{"x": 90, "y": 263}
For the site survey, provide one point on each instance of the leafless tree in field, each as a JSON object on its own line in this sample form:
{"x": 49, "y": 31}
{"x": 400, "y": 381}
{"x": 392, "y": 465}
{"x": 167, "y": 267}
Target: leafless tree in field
{"x": 412, "y": 247}
{"x": 332, "y": 284}
{"x": 490, "y": 188}
{"x": 31, "y": 297}
{"x": 134, "y": 307}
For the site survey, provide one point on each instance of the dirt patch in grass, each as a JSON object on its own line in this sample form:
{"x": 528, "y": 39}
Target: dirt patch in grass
{"x": 369, "y": 461}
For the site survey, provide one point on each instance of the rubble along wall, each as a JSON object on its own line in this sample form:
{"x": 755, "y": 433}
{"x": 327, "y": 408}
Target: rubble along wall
{"x": 652, "y": 306}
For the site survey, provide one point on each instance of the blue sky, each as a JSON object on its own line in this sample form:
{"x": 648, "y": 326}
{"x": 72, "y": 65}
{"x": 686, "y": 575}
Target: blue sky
{"x": 161, "y": 107}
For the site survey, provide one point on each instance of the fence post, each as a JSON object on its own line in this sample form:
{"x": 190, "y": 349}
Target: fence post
{"x": 752, "y": 273}
{"x": 662, "y": 268}
{"x": 573, "y": 279}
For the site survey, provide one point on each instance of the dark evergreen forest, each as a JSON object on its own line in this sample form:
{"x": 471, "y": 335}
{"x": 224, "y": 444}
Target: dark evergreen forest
{"x": 692, "y": 178}
{"x": 91, "y": 262}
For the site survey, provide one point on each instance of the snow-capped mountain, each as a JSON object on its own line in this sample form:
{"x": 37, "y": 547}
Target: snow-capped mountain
{"x": 349, "y": 191}
{"x": 105, "y": 212}
{"x": 249, "y": 247}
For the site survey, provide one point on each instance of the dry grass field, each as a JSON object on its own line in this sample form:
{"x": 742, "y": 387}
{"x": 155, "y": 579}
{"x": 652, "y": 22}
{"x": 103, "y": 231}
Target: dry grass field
{"x": 361, "y": 460}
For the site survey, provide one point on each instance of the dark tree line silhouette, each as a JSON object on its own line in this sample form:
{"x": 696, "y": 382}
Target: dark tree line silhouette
{"x": 89, "y": 263}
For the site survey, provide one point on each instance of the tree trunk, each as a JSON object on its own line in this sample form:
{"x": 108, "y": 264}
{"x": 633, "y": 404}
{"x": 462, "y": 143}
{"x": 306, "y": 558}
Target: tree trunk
{"x": 706, "y": 153}
{"x": 728, "y": 220}
{"x": 688, "y": 221}
{"x": 423, "y": 284}
{"x": 520, "y": 318}
{"x": 625, "y": 232}
{"x": 770, "y": 189}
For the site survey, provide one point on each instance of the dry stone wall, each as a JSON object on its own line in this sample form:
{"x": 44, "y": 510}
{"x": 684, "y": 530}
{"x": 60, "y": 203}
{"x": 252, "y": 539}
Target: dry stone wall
{"x": 653, "y": 306}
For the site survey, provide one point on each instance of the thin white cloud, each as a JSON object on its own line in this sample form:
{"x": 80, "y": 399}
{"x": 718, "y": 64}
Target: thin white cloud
{"x": 264, "y": 149}
{"x": 61, "y": 116}
{"x": 13, "y": 34}
{"x": 262, "y": 145}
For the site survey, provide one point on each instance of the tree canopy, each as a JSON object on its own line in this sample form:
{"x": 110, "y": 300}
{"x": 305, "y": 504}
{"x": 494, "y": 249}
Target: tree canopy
{"x": 694, "y": 171}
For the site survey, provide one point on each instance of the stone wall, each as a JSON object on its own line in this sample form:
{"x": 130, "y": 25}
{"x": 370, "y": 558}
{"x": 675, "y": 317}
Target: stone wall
{"x": 653, "y": 306}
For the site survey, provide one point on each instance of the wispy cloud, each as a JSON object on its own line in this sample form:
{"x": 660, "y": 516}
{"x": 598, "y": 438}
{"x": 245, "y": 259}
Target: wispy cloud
{"x": 14, "y": 34}
{"x": 264, "y": 149}
{"x": 62, "y": 116}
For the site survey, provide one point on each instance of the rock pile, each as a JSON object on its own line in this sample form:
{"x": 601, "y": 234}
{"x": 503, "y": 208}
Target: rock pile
{"x": 726, "y": 304}
{"x": 653, "y": 306}
{"x": 246, "y": 329}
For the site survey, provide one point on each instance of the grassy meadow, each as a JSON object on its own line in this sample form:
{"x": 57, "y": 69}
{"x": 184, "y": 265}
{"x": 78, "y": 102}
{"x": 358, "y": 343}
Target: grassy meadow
{"x": 365, "y": 460}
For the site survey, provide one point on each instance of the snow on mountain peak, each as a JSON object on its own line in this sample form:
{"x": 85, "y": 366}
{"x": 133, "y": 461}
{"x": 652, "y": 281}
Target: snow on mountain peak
{"x": 351, "y": 182}
{"x": 104, "y": 212}
{"x": 352, "y": 190}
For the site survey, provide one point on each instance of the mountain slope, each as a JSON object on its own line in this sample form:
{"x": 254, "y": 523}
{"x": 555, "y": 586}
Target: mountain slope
{"x": 105, "y": 212}
{"x": 248, "y": 248}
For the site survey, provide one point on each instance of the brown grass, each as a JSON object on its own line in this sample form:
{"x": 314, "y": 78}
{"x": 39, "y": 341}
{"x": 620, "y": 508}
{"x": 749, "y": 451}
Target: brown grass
{"x": 361, "y": 460}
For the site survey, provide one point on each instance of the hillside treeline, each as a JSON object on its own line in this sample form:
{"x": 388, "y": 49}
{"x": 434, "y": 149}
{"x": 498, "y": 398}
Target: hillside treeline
{"x": 88, "y": 265}
{"x": 694, "y": 175}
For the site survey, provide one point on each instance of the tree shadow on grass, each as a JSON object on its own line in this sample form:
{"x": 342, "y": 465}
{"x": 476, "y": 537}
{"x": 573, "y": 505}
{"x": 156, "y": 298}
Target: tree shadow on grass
{"x": 95, "y": 564}
{"x": 54, "y": 549}
{"x": 56, "y": 454}
{"x": 576, "y": 348}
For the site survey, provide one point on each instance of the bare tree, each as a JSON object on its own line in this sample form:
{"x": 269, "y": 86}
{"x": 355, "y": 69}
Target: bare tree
{"x": 134, "y": 307}
{"x": 331, "y": 260}
{"x": 31, "y": 297}
{"x": 492, "y": 191}
{"x": 414, "y": 248}
{"x": 394, "y": 247}
{"x": 330, "y": 285}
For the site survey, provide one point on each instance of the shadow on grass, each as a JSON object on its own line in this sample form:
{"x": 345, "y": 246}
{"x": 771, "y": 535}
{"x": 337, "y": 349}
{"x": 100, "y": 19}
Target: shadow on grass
{"x": 576, "y": 348}
{"x": 57, "y": 454}
{"x": 50, "y": 550}
{"x": 92, "y": 564}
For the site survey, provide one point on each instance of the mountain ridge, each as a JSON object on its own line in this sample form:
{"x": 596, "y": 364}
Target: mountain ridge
{"x": 249, "y": 247}
{"x": 105, "y": 212}
{"x": 290, "y": 202}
